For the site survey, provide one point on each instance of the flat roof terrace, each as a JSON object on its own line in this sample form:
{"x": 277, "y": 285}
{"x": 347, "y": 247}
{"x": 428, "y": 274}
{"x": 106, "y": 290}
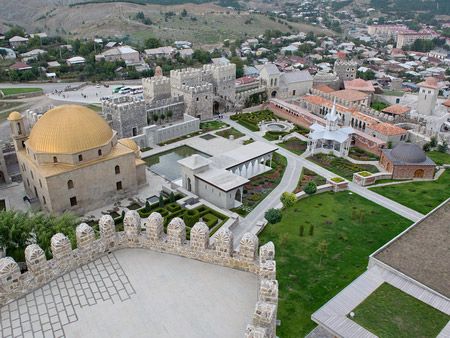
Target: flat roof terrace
{"x": 137, "y": 293}
{"x": 422, "y": 251}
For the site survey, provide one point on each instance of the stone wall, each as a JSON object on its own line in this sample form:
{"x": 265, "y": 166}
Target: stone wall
{"x": 14, "y": 284}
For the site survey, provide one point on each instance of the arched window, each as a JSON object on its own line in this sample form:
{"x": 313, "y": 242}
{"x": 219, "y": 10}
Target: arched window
{"x": 80, "y": 158}
{"x": 55, "y": 159}
{"x": 117, "y": 169}
{"x": 99, "y": 152}
{"x": 69, "y": 184}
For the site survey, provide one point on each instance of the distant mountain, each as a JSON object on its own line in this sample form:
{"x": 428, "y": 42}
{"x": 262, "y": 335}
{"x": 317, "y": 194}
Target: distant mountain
{"x": 408, "y": 6}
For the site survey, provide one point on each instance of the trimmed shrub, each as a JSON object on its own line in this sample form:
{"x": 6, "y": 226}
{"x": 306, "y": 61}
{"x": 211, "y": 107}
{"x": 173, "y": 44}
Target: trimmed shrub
{"x": 273, "y": 215}
{"x": 288, "y": 199}
{"x": 191, "y": 217}
{"x": 210, "y": 220}
{"x": 310, "y": 188}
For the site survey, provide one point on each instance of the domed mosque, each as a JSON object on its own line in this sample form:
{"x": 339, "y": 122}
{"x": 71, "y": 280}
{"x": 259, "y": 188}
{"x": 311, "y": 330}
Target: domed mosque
{"x": 71, "y": 160}
{"x": 407, "y": 161}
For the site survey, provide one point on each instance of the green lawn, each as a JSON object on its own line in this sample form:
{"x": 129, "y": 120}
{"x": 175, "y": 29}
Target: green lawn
{"x": 230, "y": 131}
{"x": 212, "y": 125}
{"x": 294, "y": 145}
{"x": 390, "y": 313}
{"x": 439, "y": 158}
{"x": 351, "y": 227}
{"x": 16, "y": 91}
{"x": 341, "y": 166}
{"x": 420, "y": 196}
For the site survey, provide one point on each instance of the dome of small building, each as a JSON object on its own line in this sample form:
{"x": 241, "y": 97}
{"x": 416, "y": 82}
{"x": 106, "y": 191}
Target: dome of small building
{"x": 130, "y": 144}
{"x": 69, "y": 129}
{"x": 409, "y": 153}
{"x": 15, "y": 116}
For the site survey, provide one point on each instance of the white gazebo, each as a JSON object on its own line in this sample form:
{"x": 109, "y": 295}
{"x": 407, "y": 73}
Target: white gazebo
{"x": 330, "y": 138}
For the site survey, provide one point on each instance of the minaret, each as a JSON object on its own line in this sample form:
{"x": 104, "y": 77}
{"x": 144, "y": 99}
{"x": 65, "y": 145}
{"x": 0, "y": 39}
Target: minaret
{"x": 428, "y": 94}
{"x": 332, "y": 118}
{"x": 18, "y": 130}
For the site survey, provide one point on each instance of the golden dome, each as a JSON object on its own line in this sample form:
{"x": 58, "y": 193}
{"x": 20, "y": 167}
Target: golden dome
{"x": 69, "y": 129}
{"x": 130, "y": 144}
{"x": 15, "y": 116}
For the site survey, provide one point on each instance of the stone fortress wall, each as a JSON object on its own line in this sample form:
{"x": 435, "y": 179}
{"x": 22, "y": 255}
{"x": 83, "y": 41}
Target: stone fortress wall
{"x": 156, "y": 88}
{"x": 14, "y": 284}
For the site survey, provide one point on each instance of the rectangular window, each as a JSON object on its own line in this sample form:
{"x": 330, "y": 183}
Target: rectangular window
{"x": 119, "y": 185}
{"x": 80, "y": 157}
{"x": 73, "y": 201}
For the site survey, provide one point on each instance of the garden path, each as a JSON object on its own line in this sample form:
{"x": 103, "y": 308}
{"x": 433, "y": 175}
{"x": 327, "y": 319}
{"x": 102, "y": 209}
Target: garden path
{"x": 289, "y": 182}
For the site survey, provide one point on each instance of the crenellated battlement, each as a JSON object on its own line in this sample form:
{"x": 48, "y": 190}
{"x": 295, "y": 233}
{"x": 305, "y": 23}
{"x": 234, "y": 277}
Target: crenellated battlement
{"x": 14, "y": 284}
{"x": 155, "y": 81}
{"x": 199, "y": 89}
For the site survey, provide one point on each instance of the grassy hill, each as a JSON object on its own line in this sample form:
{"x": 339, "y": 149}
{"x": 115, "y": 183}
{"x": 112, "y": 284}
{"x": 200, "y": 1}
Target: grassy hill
{"x": 204, "y": 24}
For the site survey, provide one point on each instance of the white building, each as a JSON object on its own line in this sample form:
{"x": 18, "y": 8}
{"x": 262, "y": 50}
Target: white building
{"x": 220, "y": 179}
{"x": 330, "y": 138}
{"x": 76, "y": 60}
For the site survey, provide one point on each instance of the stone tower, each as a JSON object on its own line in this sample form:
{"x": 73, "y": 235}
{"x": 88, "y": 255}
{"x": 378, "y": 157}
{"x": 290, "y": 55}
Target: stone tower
{"x": 345, "y": 70}
{"x": 19, "y": 132}
{"x": 157, "y": 87}
{"x": 428, "y": 94}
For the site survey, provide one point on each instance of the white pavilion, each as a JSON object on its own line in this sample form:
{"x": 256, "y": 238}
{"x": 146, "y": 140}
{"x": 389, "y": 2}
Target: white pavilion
{"x": 330, "y": 138}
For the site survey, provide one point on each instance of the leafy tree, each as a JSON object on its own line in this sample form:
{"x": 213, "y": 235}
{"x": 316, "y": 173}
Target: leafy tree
{"x": 273, "y": 215}
{"x": 433, "y": 142}
{"x": 161, "y": 200}
{"x": 184, "y": 13}
{"x": 16, "y": 30}
{"x": 426, "y": 147}
{"x": 288, "y": 199}
{"x": 152, "y": 43}
{"x": 310, "y": 188}
{"x": 443, "y": 148}
{"x": 239, "y": 66}
{"x": 172, "y": 197}
{"x": 169, "y": 114}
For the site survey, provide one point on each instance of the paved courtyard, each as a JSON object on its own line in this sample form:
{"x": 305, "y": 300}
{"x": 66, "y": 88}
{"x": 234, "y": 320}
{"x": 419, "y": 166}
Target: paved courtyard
{"x": 136, "y": 293}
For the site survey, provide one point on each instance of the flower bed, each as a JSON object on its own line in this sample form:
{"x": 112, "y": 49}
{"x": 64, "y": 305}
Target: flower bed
{"x": 260, "y": 186}
{"x": 341, "y": 166}
{"x": 362, "y": 155}
{"x": 294, "y": 145}
{"x": 309, "y": 176}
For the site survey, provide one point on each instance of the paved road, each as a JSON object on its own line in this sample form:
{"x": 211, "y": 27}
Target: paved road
{"x": 289, "y": 182}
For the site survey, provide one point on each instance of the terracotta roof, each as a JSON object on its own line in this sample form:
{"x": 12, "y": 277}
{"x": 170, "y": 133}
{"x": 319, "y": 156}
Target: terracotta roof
{"x": 388, "y": 129}
{"x": 20, "y": 66}
{"x": 446, "y": 103}
{"x": 320, "y": 101}
{"x": 245, "y": 80}
{"x": 430, "y": 82}
{"x": 350, "y": 95}
{"x": 359, "y": 84}
{"x": 396, "y": 109}
{"x": 324, "y": 88}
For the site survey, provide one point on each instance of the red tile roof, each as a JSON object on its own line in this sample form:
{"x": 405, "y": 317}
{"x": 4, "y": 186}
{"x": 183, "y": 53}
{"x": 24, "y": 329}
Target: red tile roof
{"x": 359, "y": 84}
{"x": 396, "y": 109}
{"x": 350, "y": 95}
{"x": 388, "y": 129}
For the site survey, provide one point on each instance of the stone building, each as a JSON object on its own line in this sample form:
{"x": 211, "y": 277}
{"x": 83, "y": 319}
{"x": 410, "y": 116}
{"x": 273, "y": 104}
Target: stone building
{"x": 285, "y": 85}
{"x": 324, "y": 78}
{"x": 407, "y": 161}
{"x": 345, "y": 70}
{"x": 4, "y": 176}
{"x": 71, "y": 160}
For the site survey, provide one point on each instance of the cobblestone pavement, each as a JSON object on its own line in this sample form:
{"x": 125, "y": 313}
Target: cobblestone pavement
{"x": 45, "y": 312}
